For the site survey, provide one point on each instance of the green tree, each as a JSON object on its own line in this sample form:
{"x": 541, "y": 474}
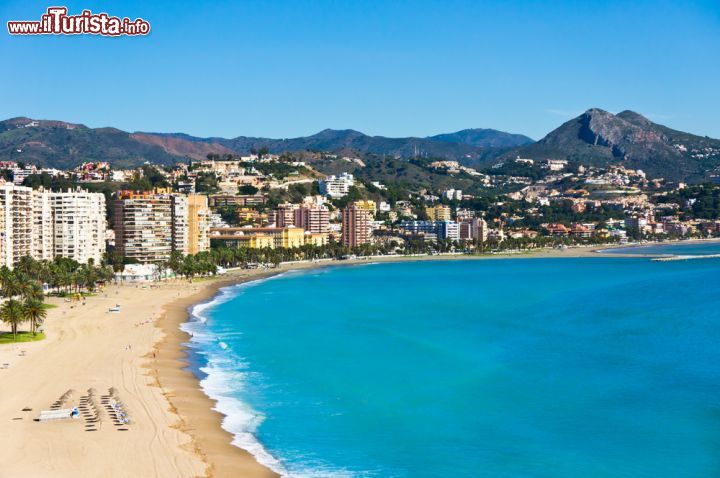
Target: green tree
{"x": 35, "y": 313}
{"x": 247, "y": 189}
{"x": 12, "y": 313}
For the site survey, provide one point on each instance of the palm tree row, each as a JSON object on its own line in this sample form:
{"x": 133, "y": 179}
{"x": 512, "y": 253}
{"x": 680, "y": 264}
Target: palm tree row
{"x": 24, "y": 302}
{"x": 23, "y": 287}
{"x": 207, "y": 262}
{"x": 15, "y": 312}
{"x": 62, "y": 274}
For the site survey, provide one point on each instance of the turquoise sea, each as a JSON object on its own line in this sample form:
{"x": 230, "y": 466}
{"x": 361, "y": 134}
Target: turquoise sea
{"x": 594, "y": 367}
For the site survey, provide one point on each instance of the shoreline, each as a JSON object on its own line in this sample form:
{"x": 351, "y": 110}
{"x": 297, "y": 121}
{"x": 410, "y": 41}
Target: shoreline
{"x": 175, "y": 429}
{"x": 184, "y": 391}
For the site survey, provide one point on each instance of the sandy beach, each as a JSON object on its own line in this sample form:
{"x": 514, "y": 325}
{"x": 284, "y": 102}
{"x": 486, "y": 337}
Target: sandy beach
{"x": 138, "y": 351}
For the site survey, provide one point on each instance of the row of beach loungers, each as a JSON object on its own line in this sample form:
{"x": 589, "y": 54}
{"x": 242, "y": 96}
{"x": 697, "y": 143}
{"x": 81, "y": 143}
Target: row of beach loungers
{"x": 90, "y": 410}
{"x": 116, "y": 409}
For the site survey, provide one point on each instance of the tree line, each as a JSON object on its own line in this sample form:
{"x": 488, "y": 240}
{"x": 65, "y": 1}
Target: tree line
{"x": 23, "y": 287}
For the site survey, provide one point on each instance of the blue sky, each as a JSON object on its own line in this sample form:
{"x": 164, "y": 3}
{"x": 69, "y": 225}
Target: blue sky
{"x": 392, "y": 68}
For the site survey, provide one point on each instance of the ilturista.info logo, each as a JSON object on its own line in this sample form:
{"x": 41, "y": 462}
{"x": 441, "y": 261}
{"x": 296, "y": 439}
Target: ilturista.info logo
{"x": 57, "y": 22}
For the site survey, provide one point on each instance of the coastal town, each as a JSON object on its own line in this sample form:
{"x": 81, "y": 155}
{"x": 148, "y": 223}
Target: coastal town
{"x": 194, "y": 217}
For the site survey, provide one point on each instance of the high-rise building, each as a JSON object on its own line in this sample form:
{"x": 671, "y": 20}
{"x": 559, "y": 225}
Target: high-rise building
{"x": 16, "y": 223}
{"x": 180, "y": 224}
{"x": 78, "y": 225}
{"x": 314, "y": 219}
{"x": 149, "y": 226}
{"x": 479, "y": 229}
{"x": 448, "y": 230}
{"x": 356, "y": 226}
{"x": 143, "y": 226}
{"x": 44, "y": 225}
{"x": 43, "y": 237}
{"x": 284, "y": 215}
{"x": 198, "y": 223}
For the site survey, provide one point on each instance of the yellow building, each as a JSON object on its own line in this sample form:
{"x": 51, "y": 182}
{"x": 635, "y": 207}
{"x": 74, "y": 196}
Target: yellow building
{"x": 316, "y": 238}
{"x": 261, "y": 241}
{"x": 259, "y": 237}
{"x": 248, "y": 214}
{"x": 292, "y": 237}
{"x": 439, "y": 213}
{"x": 367, "y": 205}
{"x": 198, "y": 223}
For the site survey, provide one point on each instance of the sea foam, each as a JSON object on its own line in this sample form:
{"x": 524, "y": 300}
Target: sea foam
{"x": 226, "y": 375}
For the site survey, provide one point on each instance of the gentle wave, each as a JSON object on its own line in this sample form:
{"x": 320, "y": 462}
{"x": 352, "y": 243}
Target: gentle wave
{"x": 222, "y": 377}
{"x": 226, "y": 374}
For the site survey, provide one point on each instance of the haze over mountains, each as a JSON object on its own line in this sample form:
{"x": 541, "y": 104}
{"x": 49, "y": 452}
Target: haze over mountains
{"x": 596, "y": 137}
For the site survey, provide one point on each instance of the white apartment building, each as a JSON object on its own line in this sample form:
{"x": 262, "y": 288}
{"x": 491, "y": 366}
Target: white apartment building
{"x": 453, "y": 194}
{"x": 337, "y": 186}
{"x": 180, "y": 224}
{"x": 44, "y": 225}
{"x": 16, "y": 223}
{"x": 78, "y": 225}
{"x": 42, "y": 232}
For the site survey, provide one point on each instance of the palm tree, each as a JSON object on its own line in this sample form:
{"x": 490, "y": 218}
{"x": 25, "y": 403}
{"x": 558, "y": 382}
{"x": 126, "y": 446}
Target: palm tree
{"x": 34, "y": 312}
{"x": 13, "y": 287}
{"x": 12, "y": 313}
{"x": 6, "y": 275}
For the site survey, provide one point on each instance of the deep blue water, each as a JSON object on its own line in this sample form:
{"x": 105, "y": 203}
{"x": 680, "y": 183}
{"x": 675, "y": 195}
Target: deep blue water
{"x": 494, "y": 368}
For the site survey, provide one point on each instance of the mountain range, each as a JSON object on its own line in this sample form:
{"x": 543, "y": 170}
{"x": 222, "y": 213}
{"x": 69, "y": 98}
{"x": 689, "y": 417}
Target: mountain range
{"x": 62, "y": 145}
{"x": 596, "y": 137}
